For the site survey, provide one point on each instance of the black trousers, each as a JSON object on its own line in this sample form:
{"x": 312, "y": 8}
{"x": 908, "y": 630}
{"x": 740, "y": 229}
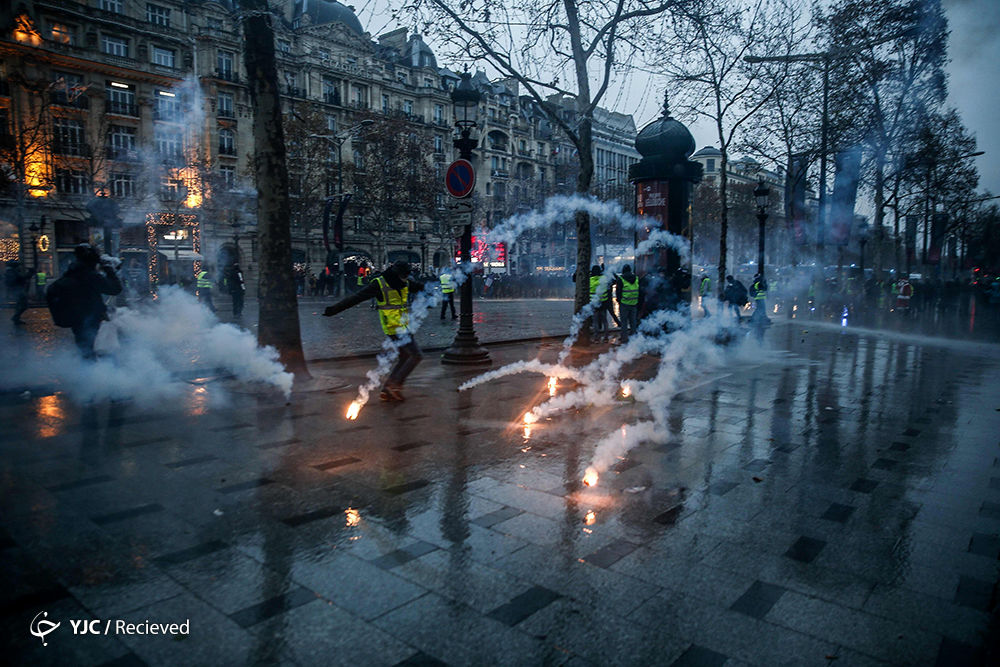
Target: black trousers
{"x": 84, "y": 334}
{"x": 448, "y": 299}
{"x": 409, "y": 357}
{"x": 237, "y": 303}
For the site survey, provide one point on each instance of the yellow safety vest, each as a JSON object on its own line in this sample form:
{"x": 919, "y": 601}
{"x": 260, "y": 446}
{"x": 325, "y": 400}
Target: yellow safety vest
{"x": 761, "y": 293}
{"x": 41, "y": 278}
{"x": 203, "y": 281}
{"x": 446, "y": 285}
{"x": 393, "y": 311}
{"x": 630, "y": 292}
{"x": 594, "y": 280}
{"x": 706, "y": 286}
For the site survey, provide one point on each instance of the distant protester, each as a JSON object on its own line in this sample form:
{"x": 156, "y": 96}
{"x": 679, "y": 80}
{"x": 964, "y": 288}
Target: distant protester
{"x": 76, "y": 300}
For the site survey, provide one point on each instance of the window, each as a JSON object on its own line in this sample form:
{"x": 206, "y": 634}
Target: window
{"x": 226, "y": 106}
{"x": 167, "y": 106}
{"x": 386, "y": 104}
{"x": 227, "y": 142}
{"x": 169, "y": 143}
{"x": 122, "y": 185}
{"x": 224, "y": 64}
{"x": 438, "y": 113}
{"x": 284, "y": 46}
{"x": 114, "y": 6}
{"x": 114, "y": 46}
{"x": 361, "y": 97}
{"x": 331, "y": 123}
{"x": 174, "y": 189}
{"x": 121, "y": 98}
{"x": 541, "y": 174}
{"x": 214, "y": 23}
{"x": 228, "y": 174}
{"x": 408, "y": 106}
{"x": 331, "y": 90}
{"x": 121, "y": 141}
{"x": 324, "y": 54}
{"x": 62, "y": 34}
{"x": 438, "y": 144}
{"x": 709, "y": 165}
{"x": 158, "y": 15}
{"x": 68, "y": 136}
{"x": 401, "y": 77}
{"x": 359, "y": 160}
{"x": 163, "y": 57}
{"x": 70, "y": 182}
{"x": 428, "y": 82}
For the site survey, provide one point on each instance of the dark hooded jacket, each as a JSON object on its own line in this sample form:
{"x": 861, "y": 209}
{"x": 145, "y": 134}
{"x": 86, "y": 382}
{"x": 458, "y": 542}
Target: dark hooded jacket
{"x": 90, "y": 284}
{"x": 373, "y": 291}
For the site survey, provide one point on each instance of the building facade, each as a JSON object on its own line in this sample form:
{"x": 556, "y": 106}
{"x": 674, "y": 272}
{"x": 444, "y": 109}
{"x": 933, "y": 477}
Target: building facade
{"x": 129, "y": 125}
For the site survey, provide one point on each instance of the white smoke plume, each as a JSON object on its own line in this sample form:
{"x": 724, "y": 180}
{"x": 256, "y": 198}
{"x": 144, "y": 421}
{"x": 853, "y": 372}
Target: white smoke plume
{"x": 145, "y": 350}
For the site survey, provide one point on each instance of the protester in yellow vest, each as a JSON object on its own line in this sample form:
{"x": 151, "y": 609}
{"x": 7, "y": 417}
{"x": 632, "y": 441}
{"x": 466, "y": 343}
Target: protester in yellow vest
{"x": 600, "y": 321}
{"x": 391, "y": 290}
{"x": 447, "y": 293}
{"x": 627, "y": 287}
{"x": 204, "y": 286}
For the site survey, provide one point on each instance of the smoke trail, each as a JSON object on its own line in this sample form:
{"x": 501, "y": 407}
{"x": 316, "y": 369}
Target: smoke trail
{"x": 531, "y": 366}
{"x": 143, "y": 350}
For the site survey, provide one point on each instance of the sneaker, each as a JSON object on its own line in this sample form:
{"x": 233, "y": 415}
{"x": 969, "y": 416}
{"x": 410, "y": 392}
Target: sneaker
{"x": 394, "y": 392}
{"x": 385, "y": 395}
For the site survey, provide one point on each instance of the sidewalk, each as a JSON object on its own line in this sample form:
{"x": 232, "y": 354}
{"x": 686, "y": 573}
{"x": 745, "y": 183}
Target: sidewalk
{"x": 836, "y": 501}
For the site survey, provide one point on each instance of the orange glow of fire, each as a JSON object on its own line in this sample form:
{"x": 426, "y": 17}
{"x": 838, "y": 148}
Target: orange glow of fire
{"x": 353, "y": 517}
{"x": 527, "y": 432}
{"x": 530, "y": 418}
{"x": 353, "y": 410}
{"x": 590, "y": 477}
{"x": 626, "y": 390}
{"x": 51, "y": 416}
{"x": 553, "y": 385}
{"x": 25, "y": 32}
{"x": 35, "y": 176}
{"x": 591, "y": 518}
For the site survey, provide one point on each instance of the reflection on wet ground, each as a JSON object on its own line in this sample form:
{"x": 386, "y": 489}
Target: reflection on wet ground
{"x": 832, "y": 495}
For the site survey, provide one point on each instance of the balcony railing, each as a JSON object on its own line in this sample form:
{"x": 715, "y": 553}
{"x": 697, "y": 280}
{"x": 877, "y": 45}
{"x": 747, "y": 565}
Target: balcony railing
{"x": 122, "y": 108}
{"x": 169, "y": 115}
{"x": 499, "y": 147}
{"x": 171, "y": 158}
{"x": 227, "y": 149}
{"x": 500, "y": 173}
{"x": 71, "y": 148}
{"x": 227, "y": 75}
{"x": 60, "y": 98}
{"x": 122, "y": 154}
{"x": 295, "y": 91}
{"x": 332, "y": 98}
{"x": 225, "y": 113}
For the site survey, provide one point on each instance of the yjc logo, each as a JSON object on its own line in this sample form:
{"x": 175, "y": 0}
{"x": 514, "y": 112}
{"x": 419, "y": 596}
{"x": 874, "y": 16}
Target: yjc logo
{"x": 41, "y": 627}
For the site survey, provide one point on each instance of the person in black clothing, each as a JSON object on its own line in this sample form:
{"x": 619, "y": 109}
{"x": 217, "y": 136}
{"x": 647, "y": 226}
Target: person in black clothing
{"x": 92, "y": 277}
{"x": 391, "y": 291}
{"x": 16, "y": 281}
{"x": 237, "y": 288}
{"x": 735, "y": 295}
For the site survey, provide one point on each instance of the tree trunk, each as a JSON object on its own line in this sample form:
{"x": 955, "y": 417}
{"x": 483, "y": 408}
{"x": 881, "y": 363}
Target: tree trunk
{"x": 279, "y": 315}
{"x": 723, "y": 212}
{"x": 879, "y": 212}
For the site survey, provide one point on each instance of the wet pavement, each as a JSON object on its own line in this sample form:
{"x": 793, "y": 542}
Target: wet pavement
{"x": 833, "y": 498}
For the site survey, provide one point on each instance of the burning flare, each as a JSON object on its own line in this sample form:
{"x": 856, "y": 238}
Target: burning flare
{"x": 353, "y": 410}
{"x": 591, "y": 518}
{"x": 353, "y": 517}
{"x": 590, "y": 477}
{"x": 553, "y": 385}
{"x": 530, "y": 418}
{"x": 626, "y": 390}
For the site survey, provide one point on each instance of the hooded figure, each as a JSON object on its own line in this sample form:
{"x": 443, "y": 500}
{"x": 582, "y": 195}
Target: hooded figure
{"x": 90, "y": 279}
{"x": 391, "y": 290}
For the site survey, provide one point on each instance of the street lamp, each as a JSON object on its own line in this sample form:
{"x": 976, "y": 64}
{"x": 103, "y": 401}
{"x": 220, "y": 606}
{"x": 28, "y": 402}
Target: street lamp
{"x": 761, "y": 194}
{"x": 827, "y": 58}
{"x": 465, "y": 350}
{"x": 338, "y": 141}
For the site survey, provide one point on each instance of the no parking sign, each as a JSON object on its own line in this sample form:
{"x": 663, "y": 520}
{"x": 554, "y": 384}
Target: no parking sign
{"x": 460, "y": 178}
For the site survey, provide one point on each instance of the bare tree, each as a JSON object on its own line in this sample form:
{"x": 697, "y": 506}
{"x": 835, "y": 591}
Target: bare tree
{"x": 279, "y": 315}
{"x": 706, "y": 59}
{"x": 536, "y": 43}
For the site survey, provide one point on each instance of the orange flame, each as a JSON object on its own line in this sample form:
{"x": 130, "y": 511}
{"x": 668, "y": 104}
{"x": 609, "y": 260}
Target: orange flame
{"x": 530, "y": 418}
{"x": 590, "y": 477}
{"x": 626, "y": 390}
{"x": 527, "y": 432}
{"x": 353, "y": 517}
{"x": 591, "y": 518}
{"x": 353, "y": 410}
{"x": 553, "y": 385}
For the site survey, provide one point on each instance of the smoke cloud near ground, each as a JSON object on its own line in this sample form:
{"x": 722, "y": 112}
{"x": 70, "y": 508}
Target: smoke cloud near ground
{"x": 148, "y": 351}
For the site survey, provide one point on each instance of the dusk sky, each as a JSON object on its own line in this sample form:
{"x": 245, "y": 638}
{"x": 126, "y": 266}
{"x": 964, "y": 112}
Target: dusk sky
{"x": 974, "y": 78}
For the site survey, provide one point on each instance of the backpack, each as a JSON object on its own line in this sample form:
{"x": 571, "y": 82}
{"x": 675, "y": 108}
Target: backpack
{"x": 63, "y": 299}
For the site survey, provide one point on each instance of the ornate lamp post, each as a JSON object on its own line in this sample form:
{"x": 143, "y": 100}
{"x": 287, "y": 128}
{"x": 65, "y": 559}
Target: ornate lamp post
{"x": 465, "y": 350}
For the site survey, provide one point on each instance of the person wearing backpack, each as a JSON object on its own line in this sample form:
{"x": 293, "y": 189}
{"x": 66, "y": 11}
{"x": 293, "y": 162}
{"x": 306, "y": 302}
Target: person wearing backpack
{"x": 78, "y": 296}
